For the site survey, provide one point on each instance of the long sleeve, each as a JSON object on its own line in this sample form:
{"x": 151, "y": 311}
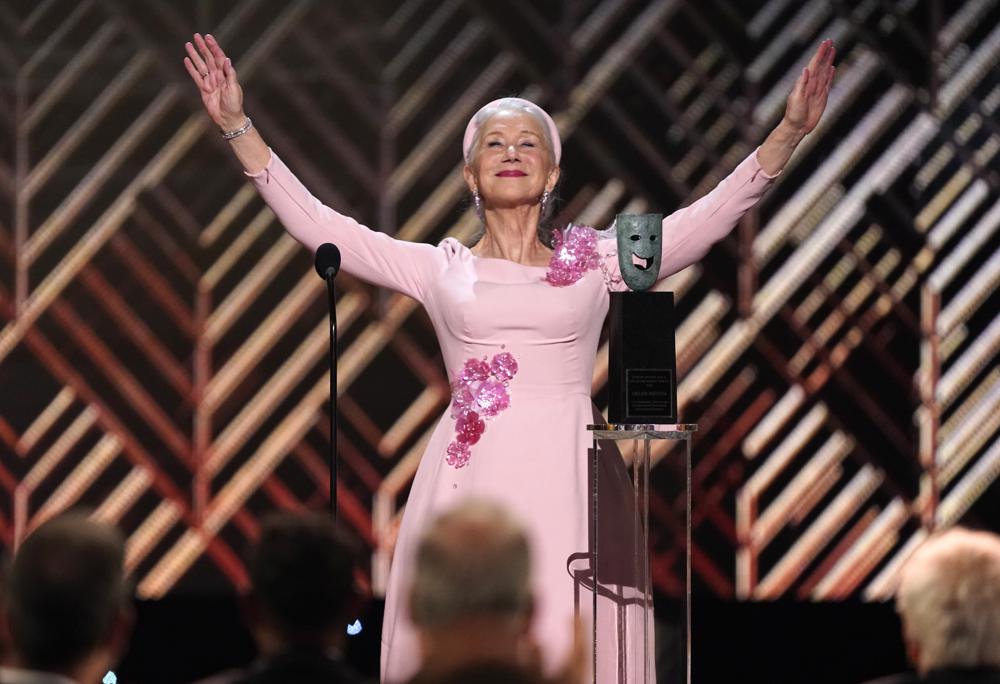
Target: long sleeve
{"x": 374, "y": 257}
{"x": 690, "y": 232}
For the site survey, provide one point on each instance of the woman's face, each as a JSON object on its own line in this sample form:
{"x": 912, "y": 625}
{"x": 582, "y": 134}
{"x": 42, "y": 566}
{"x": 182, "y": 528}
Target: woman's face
{"x": 512, "y": 162}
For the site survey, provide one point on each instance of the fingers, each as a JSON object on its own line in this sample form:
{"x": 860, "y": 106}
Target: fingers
{"x": 216, "y": 50}
{"x": 206, "y": 55}
{"x": 229, "y": 71}
{"x": 196, "y": 75}
{"x": 195, "y": 59}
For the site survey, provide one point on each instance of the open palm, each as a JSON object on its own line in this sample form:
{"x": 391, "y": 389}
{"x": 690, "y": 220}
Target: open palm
{"x": 808, "y": 98}
{"x": 215, "y": 77}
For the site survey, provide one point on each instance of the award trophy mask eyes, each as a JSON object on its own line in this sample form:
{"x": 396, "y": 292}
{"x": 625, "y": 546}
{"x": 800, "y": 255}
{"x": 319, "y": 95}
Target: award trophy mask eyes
{"x": 639, "y": 248}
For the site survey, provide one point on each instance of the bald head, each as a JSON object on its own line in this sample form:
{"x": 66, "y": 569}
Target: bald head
{"x": 949, "y": 600}
{"x": 472, "y": 562}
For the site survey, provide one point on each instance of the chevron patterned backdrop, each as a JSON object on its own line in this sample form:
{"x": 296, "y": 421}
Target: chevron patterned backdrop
{"x": 163, "y": 342}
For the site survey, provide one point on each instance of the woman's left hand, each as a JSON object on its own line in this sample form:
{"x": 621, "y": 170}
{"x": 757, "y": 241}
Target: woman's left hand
{"x": 808, "y": 98}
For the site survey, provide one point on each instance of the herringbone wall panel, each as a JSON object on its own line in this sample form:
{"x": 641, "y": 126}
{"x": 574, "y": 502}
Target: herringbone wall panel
{"x": 163, "y": 342}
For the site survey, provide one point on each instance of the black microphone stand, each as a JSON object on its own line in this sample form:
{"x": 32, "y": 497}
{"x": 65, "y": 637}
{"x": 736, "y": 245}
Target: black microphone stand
{"x": 327, "y": 265}
{"x": 331, "y": 300}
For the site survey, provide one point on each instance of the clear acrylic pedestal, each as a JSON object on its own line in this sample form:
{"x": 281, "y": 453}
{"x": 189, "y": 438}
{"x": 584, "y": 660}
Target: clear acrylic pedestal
{"x": 621, "y": 592}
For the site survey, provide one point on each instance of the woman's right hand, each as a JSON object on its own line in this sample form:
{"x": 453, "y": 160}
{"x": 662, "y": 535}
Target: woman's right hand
{"x": 215, "y": 77}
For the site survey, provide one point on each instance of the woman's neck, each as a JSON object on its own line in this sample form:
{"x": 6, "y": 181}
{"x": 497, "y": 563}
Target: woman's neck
{"x": 512, "y": 234}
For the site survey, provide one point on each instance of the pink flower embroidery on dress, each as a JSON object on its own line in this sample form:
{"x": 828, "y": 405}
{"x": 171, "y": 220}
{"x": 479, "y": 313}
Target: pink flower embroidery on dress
{"x": 479, "y": 392}
{"x": 574, "y": 252}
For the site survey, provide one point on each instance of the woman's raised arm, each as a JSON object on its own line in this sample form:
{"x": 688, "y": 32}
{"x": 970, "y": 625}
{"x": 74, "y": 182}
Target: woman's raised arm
{"x": 372, "y": 256}
{"x": 222, "y": 96}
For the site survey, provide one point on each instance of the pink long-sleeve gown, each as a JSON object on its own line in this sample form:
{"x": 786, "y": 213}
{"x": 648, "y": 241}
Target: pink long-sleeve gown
{"x": 533, "y": 456}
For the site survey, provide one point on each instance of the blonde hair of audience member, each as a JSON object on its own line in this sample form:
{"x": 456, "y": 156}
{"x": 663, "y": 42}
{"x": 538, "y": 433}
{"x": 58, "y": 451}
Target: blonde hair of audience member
{"x": 949, "y": 601}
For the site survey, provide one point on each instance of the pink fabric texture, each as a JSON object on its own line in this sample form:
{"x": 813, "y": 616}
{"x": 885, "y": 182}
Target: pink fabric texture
{"x": 533, "y": 455}
{"x": 471, "y": 128}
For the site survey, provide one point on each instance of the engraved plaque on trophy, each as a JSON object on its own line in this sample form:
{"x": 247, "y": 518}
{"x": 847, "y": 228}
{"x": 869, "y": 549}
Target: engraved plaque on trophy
{"x": 642, "y": 363}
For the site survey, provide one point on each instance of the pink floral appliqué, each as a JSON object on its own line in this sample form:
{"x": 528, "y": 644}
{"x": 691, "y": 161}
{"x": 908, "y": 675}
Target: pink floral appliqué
{"x": 574, "y": 252}
{"x": 479, "y": 392}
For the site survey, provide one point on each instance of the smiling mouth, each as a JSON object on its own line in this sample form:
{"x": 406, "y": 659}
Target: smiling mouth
{"x": 641, "y": 263}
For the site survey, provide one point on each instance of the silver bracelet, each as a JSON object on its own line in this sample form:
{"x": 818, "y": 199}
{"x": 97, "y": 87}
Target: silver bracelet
{"x": 229, "y": 135}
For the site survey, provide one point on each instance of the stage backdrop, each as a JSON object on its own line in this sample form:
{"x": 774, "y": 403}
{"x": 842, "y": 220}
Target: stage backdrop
{"x": 163, "y": 343}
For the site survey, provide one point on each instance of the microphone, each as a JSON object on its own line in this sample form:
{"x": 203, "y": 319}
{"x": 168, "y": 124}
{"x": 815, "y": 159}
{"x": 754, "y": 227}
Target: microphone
{"x": 327, "y": 265}
{"x": 327, "y": 260}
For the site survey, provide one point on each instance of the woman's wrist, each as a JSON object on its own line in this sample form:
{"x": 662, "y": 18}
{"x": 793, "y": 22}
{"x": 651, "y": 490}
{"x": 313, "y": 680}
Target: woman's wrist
{"x": 232, "y": 123}
{"x": 789, "y": 133}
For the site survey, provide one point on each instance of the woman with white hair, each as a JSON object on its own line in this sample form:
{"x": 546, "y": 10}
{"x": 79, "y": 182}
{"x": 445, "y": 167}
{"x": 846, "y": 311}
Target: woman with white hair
{"x": 518, "y": 316}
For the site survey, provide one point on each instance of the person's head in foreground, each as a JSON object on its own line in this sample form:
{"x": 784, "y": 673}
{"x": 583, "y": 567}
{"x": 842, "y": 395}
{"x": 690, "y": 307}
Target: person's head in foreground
{"x": 949, "y": 602}
{"x": 68, "y": 606}
{"x": 302, "y": 576}
{"x": 471, "y": 593}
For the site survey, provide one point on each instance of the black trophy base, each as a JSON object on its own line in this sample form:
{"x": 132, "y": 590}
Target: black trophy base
{"x": 642, "y": 360}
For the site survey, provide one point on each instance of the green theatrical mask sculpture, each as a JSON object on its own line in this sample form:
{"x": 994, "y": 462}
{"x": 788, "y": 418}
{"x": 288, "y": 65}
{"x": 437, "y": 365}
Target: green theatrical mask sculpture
{"x": 640, "y": 243}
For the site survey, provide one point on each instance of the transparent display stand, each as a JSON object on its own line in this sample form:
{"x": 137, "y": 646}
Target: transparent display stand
{"x": 619, "y": 592}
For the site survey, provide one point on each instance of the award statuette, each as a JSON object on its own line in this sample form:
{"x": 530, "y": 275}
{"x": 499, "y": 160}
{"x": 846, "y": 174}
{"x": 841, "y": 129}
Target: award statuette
{"x": 642, "y": 365}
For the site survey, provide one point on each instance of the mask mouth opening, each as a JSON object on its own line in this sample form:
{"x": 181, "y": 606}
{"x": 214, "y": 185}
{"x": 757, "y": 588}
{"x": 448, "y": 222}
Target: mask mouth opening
{"x": 641, "y": 263}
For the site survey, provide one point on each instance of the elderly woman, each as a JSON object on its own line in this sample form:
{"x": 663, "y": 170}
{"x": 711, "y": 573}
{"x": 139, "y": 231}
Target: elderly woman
{"x": 518, "y": 316}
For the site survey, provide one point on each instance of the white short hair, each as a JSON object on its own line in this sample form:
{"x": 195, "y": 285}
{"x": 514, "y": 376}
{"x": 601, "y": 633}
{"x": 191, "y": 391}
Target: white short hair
{"x": 510, "y": 104}
{"x": 473, "y": 561}
{"x": 949, "y": 600}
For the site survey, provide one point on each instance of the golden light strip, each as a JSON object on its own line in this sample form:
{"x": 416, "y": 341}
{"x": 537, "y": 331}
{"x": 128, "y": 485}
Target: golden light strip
{"x": 969, "y": 436}
{"x": 124, "y": 496}
{"x": 971, "y": 487}
{"x": 79, "y": 479}
{"x": 44, "y": 420}
{"x": 961, "y": 412}
{"x": 241, "y": 297}
{"x": 970, "y": 244}
{"x": 428, "y": 403}
{"x": 275, "y": 390}
{"x": 883, "y": 587}
{"x": 864, "y": 555}
{"x": 236, "y": 249}
{"x": 785, "y": 452}
{"x": 773, "y": 420}
{"x": 779, "y": 512}
{"x": 812, "y": 541}
{"x": 233, "y": 208}
{"x": 700, "y": 329}
{"x": 603, "y": 204}
{"x": 970, "y": 363}
{"x": 55, "y": 454}
{"x": 957, "y": 89}
{"x": 263, "y": 338}
{"x": 149, "y": 534}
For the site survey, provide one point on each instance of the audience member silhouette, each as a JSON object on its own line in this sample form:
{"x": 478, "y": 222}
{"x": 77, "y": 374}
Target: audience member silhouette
{"x": 68, "y": 609}
{"x": 301, "y": 571}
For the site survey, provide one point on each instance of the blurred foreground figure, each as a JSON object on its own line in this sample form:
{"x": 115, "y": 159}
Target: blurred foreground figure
{"x": 68, "y": 609}
{"x": 949, "y": 602}
{"x": 472, "y": 603}
{"x": 301, "y": 570}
